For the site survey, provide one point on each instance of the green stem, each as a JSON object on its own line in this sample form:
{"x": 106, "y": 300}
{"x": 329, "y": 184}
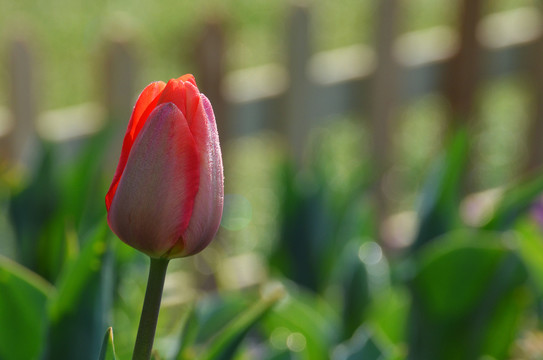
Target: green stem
{"x": 151, "y": 307}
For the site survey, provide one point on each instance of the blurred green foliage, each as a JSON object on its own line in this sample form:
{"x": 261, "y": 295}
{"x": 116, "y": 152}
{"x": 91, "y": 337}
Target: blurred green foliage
{"x": 323, "y": 286}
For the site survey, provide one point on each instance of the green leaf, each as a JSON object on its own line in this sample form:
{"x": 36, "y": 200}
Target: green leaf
{"x": 108, "y": 346}
{"x": 188, "y": 337}
{"x": 77, "y": 274}
{"x": 32, "y": 208}
{"x": 440, "y": 195}
{"x": 211, "y": 314}
{"x": 361, "y": 346}
{"x": 304, "y": 324}
{"x": 307, "y": 223}
{"x": 80, "y": 184}
{"x": 351, "y": 279}
{"x": 530, "y": 248}
{"x": 514, "y": 202}
{"x": 225, "y": 344}
{"x": 79, "y": 311}
{"x": 454, "y": 272}
{"x": 23, "y": 311}
{"x": 207, "y": 319}
{"x": 469, "y": 294}
{"x": 388, "y": 314}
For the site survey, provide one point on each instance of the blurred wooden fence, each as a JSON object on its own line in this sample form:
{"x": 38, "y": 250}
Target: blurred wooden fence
{"x": 311, "y": 87}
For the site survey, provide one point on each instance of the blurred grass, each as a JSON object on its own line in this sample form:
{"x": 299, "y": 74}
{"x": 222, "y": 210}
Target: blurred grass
{"x": 501, "y": 146}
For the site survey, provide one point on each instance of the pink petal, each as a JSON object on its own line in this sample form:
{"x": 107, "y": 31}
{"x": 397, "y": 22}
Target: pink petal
{"x": 155, "y": 198}
{"x": 208, "y": 206}
{"x": 145, "y": 104}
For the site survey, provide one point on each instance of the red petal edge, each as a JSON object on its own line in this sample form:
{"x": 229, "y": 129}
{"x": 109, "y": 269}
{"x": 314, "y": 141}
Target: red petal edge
{"x": 146, "y": 103}
{"x": 189, "y": 78}
{"x": 174, "y": 92}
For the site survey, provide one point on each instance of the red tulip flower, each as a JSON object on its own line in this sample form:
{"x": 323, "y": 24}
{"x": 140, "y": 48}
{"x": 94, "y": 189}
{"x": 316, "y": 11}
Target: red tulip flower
{"x": 166, "y": 198}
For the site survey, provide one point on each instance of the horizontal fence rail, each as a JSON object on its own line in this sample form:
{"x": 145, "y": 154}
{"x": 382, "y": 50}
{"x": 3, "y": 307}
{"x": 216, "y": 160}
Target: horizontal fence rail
{"x": 341, "y": 79}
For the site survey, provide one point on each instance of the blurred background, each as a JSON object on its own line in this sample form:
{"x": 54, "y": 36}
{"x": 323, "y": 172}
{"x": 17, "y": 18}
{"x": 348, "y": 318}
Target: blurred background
{"x": 382, "y": 171}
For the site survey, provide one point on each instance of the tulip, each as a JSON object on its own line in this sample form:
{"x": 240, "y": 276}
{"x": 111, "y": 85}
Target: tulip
{"x": 166, "y": 198}
{"x": 167, "y": 194}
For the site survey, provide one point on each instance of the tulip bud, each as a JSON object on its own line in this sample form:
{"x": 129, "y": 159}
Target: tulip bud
{"x": 166, "y": 198}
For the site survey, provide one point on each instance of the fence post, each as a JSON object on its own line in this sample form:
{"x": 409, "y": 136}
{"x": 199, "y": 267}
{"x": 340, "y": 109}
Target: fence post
{"x": 384, "y": 100}
{"x": 462, "y": 79}
{"x": 296, "y": 123}
{"x": 463, "y": 75}
{"x": 535, "y": 128}
{"x": 22, "y": 139}
{"x": 120, "y": 69}
{"x": 210, "y": 49}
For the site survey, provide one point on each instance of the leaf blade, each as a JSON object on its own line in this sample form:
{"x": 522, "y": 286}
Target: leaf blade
{"x": 108, "y": 346}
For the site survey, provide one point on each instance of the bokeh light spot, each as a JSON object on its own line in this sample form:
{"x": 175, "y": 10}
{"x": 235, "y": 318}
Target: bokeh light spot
{"x": 370, "y": 253}
{"x": 296, "y": 342}
{"x": 237, "y": 213}
{"x": 278, "y": 338}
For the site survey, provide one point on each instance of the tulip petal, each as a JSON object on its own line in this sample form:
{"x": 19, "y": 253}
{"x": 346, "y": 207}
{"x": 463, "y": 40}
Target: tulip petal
{"x": 144, "y": 105}
{"x": 193, "y": 104}
{"x": 174, "y": 92}
{"x": 189, "y": 78}
{"x": 208, "y": 205}
{"x": 155, "y": 198}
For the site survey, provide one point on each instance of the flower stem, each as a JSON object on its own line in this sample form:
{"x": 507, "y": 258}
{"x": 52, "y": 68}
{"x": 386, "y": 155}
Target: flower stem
{"x": 151, "y": 308}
